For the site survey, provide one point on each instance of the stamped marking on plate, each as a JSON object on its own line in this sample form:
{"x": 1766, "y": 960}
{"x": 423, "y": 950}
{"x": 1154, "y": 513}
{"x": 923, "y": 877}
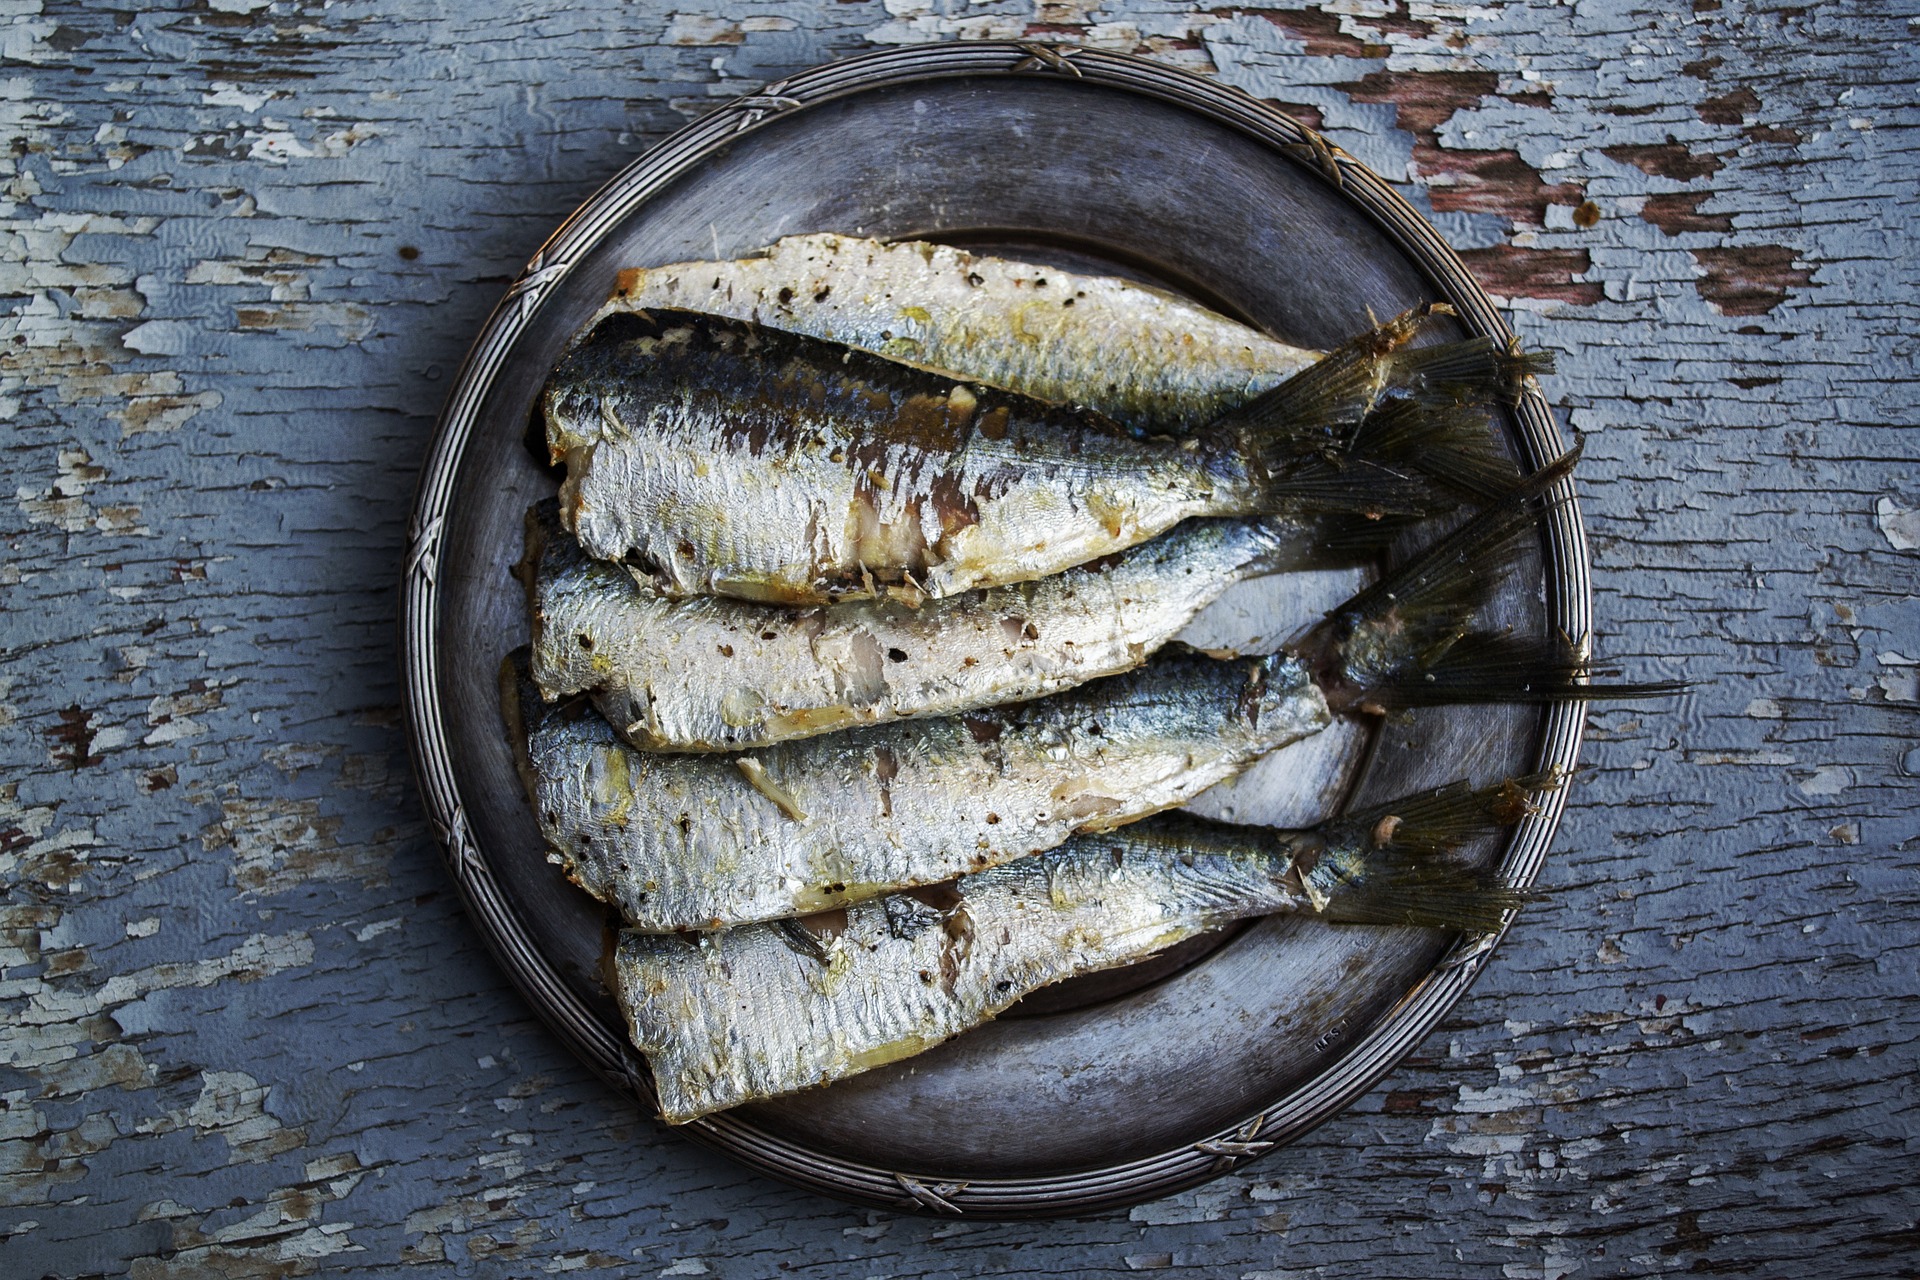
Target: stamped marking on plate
{"x": 1331, "y": 1034}
{"x": 935, "y": 1195}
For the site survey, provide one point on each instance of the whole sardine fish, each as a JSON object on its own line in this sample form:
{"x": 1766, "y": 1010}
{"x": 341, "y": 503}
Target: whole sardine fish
{"x": 727, "y": 458}
{"x": 706, "y": 840}
{"x": 1136, "y": 353}
{"x": 701, "y": 841}
{"x": 708, "y": 673}
{"x": 765, "y": 1009}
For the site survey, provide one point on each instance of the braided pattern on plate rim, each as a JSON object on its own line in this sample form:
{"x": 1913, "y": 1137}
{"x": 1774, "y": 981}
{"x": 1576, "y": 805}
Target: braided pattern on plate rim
{"x": 1374, "y": 1050}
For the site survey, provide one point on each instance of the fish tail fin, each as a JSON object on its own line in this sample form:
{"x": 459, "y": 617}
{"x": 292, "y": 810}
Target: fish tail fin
{"x": 1378, "y": 866}
{"x": 1434, "y": 897}
{"x": 1403, "y": 462}
{"x": 1446, "y": 442}
{"x": 1378, "y": 428}
{"x": 1422, "y": 606}
{"x": 1408, "y": 640}
{"x": 1495, "y": 666}
{"x": 1470, "y": 371}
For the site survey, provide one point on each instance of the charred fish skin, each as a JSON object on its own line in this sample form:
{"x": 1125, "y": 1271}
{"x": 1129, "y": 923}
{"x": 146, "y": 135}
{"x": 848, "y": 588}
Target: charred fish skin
{"x": 715, "y": 674}
{"x": 683, "y": 842}
{"x": 747, "y": 1013}
{"x": 764, "y": 1010}
{"x": 1152, "y": 360}
{"x": 733, "y": 459}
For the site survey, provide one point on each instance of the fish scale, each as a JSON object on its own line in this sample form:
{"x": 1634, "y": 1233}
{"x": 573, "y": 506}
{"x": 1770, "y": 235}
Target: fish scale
{"x": 698, "y": 841}
{"x": 709, "y": 673}
{"x": 723, "y": 457}
{"x": 1163, "y": 363}
{"x": 736, "y": 460}
{"x": 766, "y": 1009}
{"x": 750, "y": 1013}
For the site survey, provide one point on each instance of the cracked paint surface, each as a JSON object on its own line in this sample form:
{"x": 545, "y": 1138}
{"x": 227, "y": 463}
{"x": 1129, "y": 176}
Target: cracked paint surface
{"x": 248, "y": 1033}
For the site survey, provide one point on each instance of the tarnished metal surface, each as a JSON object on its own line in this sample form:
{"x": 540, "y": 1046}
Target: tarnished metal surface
{"x": 1209, "y": 187}
{"x": 250, "y": 1033}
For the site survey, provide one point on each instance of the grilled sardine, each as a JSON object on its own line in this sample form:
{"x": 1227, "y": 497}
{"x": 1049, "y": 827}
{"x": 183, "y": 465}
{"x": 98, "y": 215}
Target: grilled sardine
{"x": 727, "y": 458}
{"x": 765, "y": 1009}
{"x": 699, "y": 841}
{"x": 715, "y": 674}
{"x": 1152, "y": 360}
{"x": 707, "y": 840}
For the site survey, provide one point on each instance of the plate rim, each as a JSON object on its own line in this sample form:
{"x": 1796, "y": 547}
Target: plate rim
{"x": 1381, "y": 1046}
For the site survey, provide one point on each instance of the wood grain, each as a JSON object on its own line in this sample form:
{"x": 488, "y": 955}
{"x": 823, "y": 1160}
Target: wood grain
{"x": 249, "y": 1034}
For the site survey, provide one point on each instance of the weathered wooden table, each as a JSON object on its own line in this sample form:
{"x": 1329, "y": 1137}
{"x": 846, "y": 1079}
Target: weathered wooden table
{"x": 248, "y": 1030}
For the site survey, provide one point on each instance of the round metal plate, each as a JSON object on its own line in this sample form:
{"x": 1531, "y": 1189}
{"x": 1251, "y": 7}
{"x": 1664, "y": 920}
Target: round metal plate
{"x": 1099, "y": 1095}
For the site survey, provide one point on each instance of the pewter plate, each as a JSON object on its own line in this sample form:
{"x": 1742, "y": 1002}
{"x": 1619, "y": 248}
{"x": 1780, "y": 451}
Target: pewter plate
{"x": 1120, "y": 1087}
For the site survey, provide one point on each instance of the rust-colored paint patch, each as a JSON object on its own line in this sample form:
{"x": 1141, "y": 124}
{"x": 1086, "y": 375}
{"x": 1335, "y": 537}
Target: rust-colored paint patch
{"x": 1586, "y": 214}
{"x": 1321, "y": 37}
{"x": 280, "y": 845}
{"x": 695, "y": 30}
{"x": 1669, "y": 159}
{"x": 1413, "y": 1102}
{"x": 1306, "y": 114}
{"x": 1076, "y": 30}
{"x": 1730, "y": 108}
{"x": 1687, "y": 1236}
{"x": 1749, "y": 280}
{"x": 1514, "y": 272}
{"x": 73, "y": 739}
{"x": 1424, "y": 100}
{"x": 1774, "y": 133}
{"x": 1498, "y": 182}
{"x": 1311, "y": 26}
{"x": 1677, "y": 211}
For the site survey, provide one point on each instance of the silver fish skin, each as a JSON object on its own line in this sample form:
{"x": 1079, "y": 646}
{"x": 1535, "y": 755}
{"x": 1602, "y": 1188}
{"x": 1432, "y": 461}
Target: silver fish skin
{"x": 681, "y": 842}
{"x": 715, "y": 674}
{"x": 732, "y": 459}
{"x": 1134, "y": 352}
{"x": 756, "y": 1012}
{"x": 766, "y": 1009}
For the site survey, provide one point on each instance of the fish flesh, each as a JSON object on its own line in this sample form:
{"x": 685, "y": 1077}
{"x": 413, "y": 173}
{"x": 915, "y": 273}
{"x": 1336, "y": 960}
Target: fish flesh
{"x": 727, "y": 458}
{"x": 1155, "y": 361}
{"x": 708, "y": 673}
{"x": 702, "y": 841}
{"x": 766, "y": 1009}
